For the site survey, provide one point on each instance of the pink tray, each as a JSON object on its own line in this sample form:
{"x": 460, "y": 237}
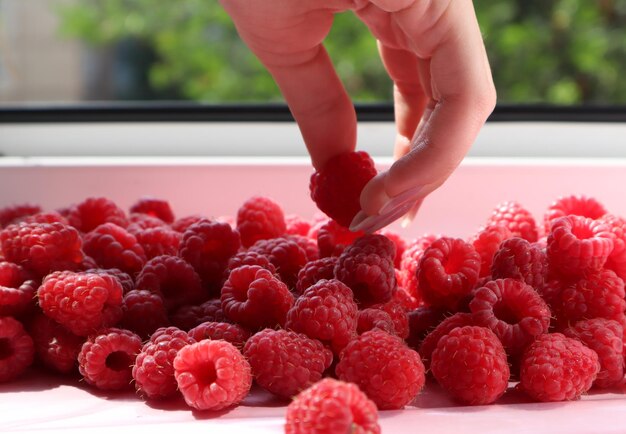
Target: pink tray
{"x": 40, "y": 403}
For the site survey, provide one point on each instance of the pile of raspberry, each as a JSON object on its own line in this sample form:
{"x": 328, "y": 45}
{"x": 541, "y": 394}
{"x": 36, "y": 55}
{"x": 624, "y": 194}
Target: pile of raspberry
{"x": 311, "y": 312}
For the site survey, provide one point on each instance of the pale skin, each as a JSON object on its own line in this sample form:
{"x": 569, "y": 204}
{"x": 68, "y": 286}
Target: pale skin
{"x": 443, "y": 90}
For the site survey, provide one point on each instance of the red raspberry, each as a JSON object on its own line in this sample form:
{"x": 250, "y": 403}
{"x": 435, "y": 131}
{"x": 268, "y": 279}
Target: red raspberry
{"x": 113, "y": 247}
{"x": 173, "y": 279}
{"x": 617, "y": 258}
{"x": 182, "y": 224}
{"x": 518, "y": 259}
{"x": 325, "y": 311}
{"x": 409, "y": 263}
{"x": 249, "y": 258}
{"x": 513, "y": 310}
{"x": 314, "y": 271}
{"x": 153, "y": 370}
{"x": 398, "y": 242}
{"x": 296, "y": 225}
{"x": 486, "y": 243}
{"x": 56, "y": 346}
{"x": 336, "y": 187}
{"x": 516, "y": 218}
{"x": 106, "y": 359}
{"x": 233, "y": 333}
{"x": 332, "y": 239}
{"x": 370, "y": 319}
{"x": 13, "y": 213}
{"x": 212, "y": 375}
{"x": 367, "y": 269}
{"x": 159, "y": 241}
{"x": 599, "y": 295}
{"x": 578, "y": 245}
{"x": 431, "y": 340}
{"x": 308, "y": 245}
{"x": 141, "y": 222}
{"x": 551, "y": 293}
{"x": 286, "y": 255}
{"x": 605, "y": 337}
{"x": 17, "y": 290}
{"x": 421, "y": 322}
{"x": 124, "y": 278}
{"x": 208, "y": 246}
{"x": 447, "y": 272}
{"x": 190, "y": 316}
{"x": 81, "y": 302}
{"x": 260, "y": 218}
{"x": 45, "y": 217}
{"x": 151, "y": 206}
{"x": 557, "y": 368}
{"x": 42, "y": 247}
{"x": 95, "y": 211}
{"x": 144, "y": 312}
{"x": 390, "y": 373}
{"x": 332, "y": 407}
{"x": 406, "y": 300}
{"x": 398, "y": 316}
{"x": 471, "y": 365}
{"x": 285, "y": 362}
{"x": 582, "y": 206}
{"x": 254, "y": 298}
{"x": 17, "y": 351}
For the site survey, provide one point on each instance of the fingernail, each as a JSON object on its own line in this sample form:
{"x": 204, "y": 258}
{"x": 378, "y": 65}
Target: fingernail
{"x": 357, "y": 220}
{"x": 408, "y": 218}
{"x": 371, "y": 224}
{"x": 409, "y": 196}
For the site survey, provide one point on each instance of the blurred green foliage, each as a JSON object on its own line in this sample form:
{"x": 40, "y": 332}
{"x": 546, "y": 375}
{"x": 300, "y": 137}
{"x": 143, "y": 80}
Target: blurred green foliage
{"x": 559, "y": 51}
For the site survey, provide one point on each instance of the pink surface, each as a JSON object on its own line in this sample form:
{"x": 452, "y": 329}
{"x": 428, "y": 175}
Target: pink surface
{"x": 39, "y": 403}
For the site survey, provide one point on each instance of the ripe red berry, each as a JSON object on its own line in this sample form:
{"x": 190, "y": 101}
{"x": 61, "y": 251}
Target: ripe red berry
{"x": 471, "y": 365}
{"x": 95, "y": 211}
{"x": 17, "y": 290}
{"x": 314, "y": 271}
{"x": 332, "y": 238}
{"x": 332, "y": 407}
{"x": 487, "y": 242}
{"x": 159, "y": 241}
{"x": 233, "y": 333}
{"x": 13, "y": 213}
{"x": 155, "y": 208}
{"x": 409, "y": 262}
{"x": 111, "y": 246}
{"x": 286, "y": 255}
{"x": 431, "y": 340}
{"x": 296, "y": 225}
{"x": 617, "y": 258}
{"x": 212, "y": 375}
{"x": 517, "y": 219}
{"x": 518, "y": 259}
{"x": 190, "y": 316}
{"x": 56, "y": 347}
{"x": 17, "y": 351}
{"x": 144, "y": 312}
{"x": 582, "y": 206}
{"x": 260, "y": 218}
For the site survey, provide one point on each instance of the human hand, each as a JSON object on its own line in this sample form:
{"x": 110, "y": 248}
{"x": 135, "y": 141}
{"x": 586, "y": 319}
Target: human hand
{"x": 443, "y": 90}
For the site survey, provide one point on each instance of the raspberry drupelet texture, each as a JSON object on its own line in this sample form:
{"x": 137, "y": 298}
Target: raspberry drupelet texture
{"x": 141, "y": 222}
{"x": 332, "y": 407}
{"x": 233, "y": 333}
{"x": 309, "y": 246}
{"x": 248, "y": 257}
{"x": 487, "y": 242}
{"x": 431, "y": 340}
{"x": 336, "y": 187}
{"x": 513, "y": 310}
{"x": 617, "y": 258}
{"x": 314, "y": 271}
{"x": 190, "y": 316}
{"x": 370, "y": 319}
{"x": 398, "y": 241}
{"x": 296, "y": 225}
{"x": 422, "y": 321}
{"x": 325, "y": 311}
{"x": 81, "y": 302}
{"x": 286, "y": 362}
{"x": 111, "y": 246}
{"x": 17, "y": 351}
{"x": 471, "y": 365}
{"x": 207, "y": 246}
{"x": 518, "y": 259}
{"x": 154, "y": 207}
{"x": 183, "y": 223}
{"x": 260, "y": 218}
{"x": 17, "y": 290}
{"x": 447, "y": 272}
{"x": 42, "y": 247}
{"x": 516, "y": 218}
{"x": 159, "y": 241}
{"x": 57, "y": 348}
{"x": 255, "y": 298}
{"x": 124, "y": 278}
{"x": 173, "y": 279}
{"x": 153, "y": 370}
{"x": 390, "y": 373}
{"x": 407, "y": 277}
{"x": 367, "y": 268}
{"x": 95, "y": 211}
{"x": 105, "y": 359}
{"x": 398, "y": 316}
{"x": 606, "y": 338}
{"x": 332, "y": 238}
{"x": 578, "y": 245}
{"x": 557, "y": 368}
{"x": 13, "y": 213}
{"x": 599, "y": 295}
{"x": 286, "y": 255}
{"x": 578, "y": 205}
{"x": 212, "y": 375}
{"x": 144, "y": 312}
{"x": 45, "y": 217}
